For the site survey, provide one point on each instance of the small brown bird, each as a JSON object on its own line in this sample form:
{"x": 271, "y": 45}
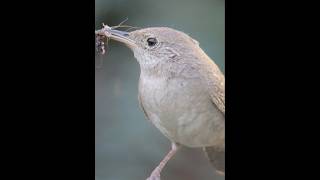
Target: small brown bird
{"x": 181, "y": 90}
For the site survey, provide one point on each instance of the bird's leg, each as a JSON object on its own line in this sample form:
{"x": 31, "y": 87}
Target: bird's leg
{"x": 155, "y": 175}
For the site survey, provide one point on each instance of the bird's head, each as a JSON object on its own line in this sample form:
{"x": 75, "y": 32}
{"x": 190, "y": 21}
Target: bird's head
{"x": 155, "y": 45}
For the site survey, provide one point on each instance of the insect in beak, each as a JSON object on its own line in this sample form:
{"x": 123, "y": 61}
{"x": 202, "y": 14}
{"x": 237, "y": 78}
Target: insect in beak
{"x": 110, "y": 33}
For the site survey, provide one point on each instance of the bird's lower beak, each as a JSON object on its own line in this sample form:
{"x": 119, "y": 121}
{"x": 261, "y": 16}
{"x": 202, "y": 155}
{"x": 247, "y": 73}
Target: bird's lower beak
{"x": 121, "y": 36}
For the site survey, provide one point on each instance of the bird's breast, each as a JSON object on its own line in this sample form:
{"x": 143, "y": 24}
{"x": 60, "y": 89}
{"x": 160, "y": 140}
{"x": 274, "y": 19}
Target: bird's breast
{"x": 181, "y": 110}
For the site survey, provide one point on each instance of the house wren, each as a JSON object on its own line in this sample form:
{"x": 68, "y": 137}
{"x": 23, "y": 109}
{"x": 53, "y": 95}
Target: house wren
{"x": 181, "y": 90}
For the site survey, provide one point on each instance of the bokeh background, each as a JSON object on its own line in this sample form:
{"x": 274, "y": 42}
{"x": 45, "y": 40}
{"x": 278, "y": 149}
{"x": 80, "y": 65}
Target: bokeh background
{"x": 127, "y": 146}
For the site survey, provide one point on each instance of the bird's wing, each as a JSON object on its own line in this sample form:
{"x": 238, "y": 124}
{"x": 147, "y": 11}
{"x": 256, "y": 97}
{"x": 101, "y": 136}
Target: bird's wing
{"x": 216, "y": 86}
{"x": 218, "y": 98}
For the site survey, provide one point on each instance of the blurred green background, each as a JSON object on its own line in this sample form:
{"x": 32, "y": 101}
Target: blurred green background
{"x": 127, "y": 146}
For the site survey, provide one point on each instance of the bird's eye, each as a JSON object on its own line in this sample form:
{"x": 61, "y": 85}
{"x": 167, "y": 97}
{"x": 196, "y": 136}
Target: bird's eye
{"x": 152, "y": 41}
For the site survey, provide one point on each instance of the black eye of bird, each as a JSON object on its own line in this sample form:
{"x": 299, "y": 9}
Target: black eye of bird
{"x": 152, "y": 41}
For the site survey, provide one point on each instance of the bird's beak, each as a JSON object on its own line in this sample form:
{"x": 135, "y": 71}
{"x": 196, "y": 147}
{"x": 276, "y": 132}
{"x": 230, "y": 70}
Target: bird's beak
{"x": 121, "y": 36}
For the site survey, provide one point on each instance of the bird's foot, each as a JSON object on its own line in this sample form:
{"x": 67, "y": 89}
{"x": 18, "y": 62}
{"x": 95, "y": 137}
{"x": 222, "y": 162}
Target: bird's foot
{"x": 155, "y": 175}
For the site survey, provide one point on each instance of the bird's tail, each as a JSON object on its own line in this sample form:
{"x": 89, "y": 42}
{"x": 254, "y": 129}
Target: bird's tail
{"x": 216, "y": 156}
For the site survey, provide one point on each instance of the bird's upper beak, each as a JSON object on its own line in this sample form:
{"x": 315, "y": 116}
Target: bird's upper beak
{"x": 121, "y": 36}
